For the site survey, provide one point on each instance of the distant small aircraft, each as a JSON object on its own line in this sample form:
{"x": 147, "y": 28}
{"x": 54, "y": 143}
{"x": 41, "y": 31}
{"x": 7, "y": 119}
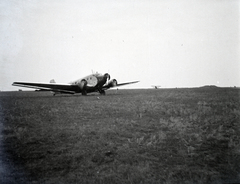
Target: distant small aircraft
{"x": 156, "y": 87}
{"x": 95, "y": 82}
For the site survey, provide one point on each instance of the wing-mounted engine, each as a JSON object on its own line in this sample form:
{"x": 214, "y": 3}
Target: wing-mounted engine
{"x": 112, "y": 83}
{"x": 83, "y": 85}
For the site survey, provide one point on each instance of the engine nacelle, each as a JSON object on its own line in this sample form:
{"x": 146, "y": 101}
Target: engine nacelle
{"x": 112, "y": 83}
{"x": 82, "y": 85}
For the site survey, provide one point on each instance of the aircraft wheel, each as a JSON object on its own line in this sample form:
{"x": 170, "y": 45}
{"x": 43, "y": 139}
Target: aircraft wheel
{"x": 102, "y": 92}
{"x": 84, "y": 93}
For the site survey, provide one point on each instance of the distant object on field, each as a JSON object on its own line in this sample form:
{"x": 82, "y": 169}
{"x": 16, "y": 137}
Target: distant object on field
{"x": 20, "y": 90}
{"x": 156, "y": 87}
{"x": 95, "y": 82}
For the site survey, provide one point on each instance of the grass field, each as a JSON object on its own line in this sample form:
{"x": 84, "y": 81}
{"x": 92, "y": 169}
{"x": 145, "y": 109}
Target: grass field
{"x": 127, "y": 136}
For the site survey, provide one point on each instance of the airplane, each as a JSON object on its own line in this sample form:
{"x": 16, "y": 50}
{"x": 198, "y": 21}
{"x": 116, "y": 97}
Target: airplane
{"x": 95, "y": 82}
{"x": 156, "y": 87}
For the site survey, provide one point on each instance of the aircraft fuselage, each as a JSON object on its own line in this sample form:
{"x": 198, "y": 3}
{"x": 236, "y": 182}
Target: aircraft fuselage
{"x": 92, "y": 83}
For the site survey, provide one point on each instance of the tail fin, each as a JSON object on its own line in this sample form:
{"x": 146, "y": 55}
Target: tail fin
{"x": 52, "y": 81}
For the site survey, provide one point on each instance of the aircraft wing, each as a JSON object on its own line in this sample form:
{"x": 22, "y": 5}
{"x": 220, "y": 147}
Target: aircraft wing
{"x": 63, "y": 88}
{"x": 122, "y": 84}
{"x": 126, "y": 83}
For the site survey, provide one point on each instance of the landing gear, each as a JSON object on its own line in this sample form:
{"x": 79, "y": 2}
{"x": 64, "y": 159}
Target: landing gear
{"x": 84, "y": 93}
{"x": 54, "y": 93}
{"x": 102, "y": 92}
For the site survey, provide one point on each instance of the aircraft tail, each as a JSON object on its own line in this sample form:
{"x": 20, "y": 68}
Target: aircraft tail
{"x": 52, "y": 81}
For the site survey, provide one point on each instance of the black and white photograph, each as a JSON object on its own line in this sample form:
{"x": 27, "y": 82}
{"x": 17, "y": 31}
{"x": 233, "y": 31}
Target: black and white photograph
{"x": 119, "y": 91}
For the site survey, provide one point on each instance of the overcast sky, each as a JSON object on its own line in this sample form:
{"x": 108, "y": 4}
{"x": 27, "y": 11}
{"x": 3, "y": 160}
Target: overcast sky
{"x": 172, "y": 43}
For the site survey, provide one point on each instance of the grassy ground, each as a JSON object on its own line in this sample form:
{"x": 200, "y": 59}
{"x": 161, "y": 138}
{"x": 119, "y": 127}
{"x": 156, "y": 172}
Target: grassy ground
{"x": 127, "y": 136}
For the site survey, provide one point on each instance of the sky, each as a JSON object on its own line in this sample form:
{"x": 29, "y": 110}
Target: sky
{"x": 171, "y": 43}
